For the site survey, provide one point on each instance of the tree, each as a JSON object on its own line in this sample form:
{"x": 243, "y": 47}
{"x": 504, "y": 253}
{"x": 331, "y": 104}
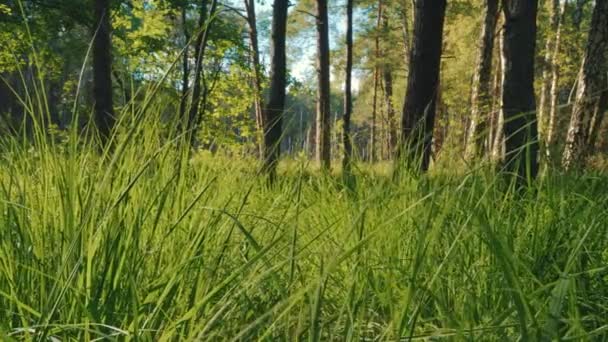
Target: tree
{"x": 274, "y": 109}
{"x": 592, "y": 90}
{"x": 418, "y": 117}
{"x": 482, "y": 83}
{"x": 348, "y": 101}
{"x": 102, "y": 70}
{"x": 185, "y": 65}
{"x": 323, "y": 86}
{"x": 548, "y": 95}
{"x": 374, "y": 123}
{"x": 388, "y": 95}
{"x": 551, "y": 121}
{"x": 255, "y": 62}
{"x": 498, "y": 139}
{"x": 199, "y": 91}
{"x": 518, "y": 98}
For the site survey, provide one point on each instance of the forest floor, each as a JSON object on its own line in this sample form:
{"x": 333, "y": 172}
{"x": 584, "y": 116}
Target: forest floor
{"x": 146, "y": 244}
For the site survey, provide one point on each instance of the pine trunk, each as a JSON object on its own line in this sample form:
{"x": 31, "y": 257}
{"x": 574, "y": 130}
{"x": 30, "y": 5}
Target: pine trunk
{"x": 257, "y": 72}
{"x": 388, "y": 97}
{"x": 348, "y": 101}
{"x": 518, "y": 99}
{"x": 102, "y": 70}
{"x": 323, "y": 88}
{"x": 278, "y": 82}
{"x": 418, "y": 115}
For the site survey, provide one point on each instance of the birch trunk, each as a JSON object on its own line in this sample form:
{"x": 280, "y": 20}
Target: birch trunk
{"x": 482, "y": 80}
{"x": 591, "y": 85}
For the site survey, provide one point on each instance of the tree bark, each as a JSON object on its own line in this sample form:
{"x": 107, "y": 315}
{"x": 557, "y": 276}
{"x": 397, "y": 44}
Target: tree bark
{"x": 591, "y": 85}
{"x": 348, "y": 101}
{"x": 498, "y": 142}
{"x": 482, "y": 84}
{"x": 550, "y": 128}
{"x": 374, "y": 124}
{"x": 323, "y": 88}
{"x": 276, "y": 102}
{"x": 388, "y": 96}
{"x": 185, "y": 72}
{"x": 102, "y": 71}
{"x": 518, "y": 98}
{"x": 199, "y": 88}
{"x": 255, "y": 61}
{"x": 418, "y": 117}
{"x": 548, "y": 68}
{"x": 598, "y": 118}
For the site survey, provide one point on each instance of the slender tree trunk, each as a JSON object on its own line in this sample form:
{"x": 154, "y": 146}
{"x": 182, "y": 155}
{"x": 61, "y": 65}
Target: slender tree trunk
{"x": 323, "y": 89}
{"x": 388, "y": 96}
{"x": 390, "y": 111}
{"x": 544, "y": 107}
{"x": 185, "y": 72}
{"x": 518, "y": 99}
{"x": 102, "y": 70}
{"x": 278, "y": 82}
{"x": 199, "y": 90}
{"x": 591, "y": 85}
{"x": 197, "y": 87}
{"x": 348, "y": 101}
{"x": 481, "y": 99}
{"x": 498, "y": 145}
{"x": 255, "y": 61}
{"x": 374, "y": 128}
{"x": 418, "y": 116}
{"x": 551, "y": 123}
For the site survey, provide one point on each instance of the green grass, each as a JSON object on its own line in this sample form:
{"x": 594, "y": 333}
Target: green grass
{"x": 147, "y": 244}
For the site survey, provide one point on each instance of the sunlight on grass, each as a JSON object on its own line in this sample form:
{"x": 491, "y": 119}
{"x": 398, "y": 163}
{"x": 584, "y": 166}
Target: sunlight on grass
{"x": 150, "y": 244}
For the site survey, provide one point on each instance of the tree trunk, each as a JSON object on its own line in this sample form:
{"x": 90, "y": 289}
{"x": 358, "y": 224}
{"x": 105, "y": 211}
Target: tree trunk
{"x": 591, "y": 84}
{"x": 197, "y": 87}
{"x": 374, "y": 124}
{"x": 348, "y": 101}
{"x": 199, "y": 90}
{"x": 255, "y": 61}
{"x": 480, "y": 94}
{"x": 548, "y": 69}
{"x": 102, "y": 70}
{"x": 323, "y": 89}
{"x": 418, "y": 117}
{"x": 276, "y": 102}
{"x": 388, "y": 97}
{"x": 498, "y": 142}
{"x": 550, "y": 128}
{"x": 518, "y": 98}
{"x": 185, "y": 73}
